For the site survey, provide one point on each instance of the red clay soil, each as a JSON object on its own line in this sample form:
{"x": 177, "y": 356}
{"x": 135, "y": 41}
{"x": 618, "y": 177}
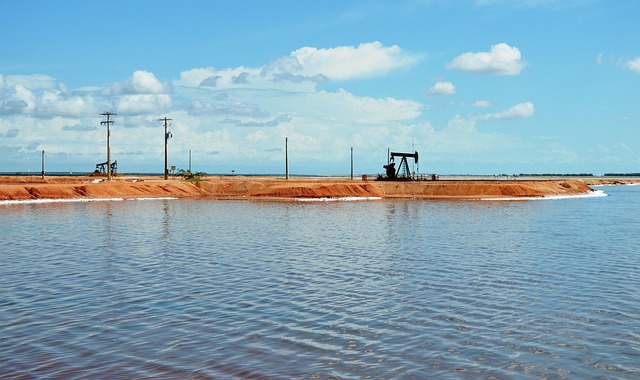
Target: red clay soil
{"x": 29, "y": 188}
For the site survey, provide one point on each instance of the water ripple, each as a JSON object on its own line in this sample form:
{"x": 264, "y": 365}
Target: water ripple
{"x": 392, "y": 289}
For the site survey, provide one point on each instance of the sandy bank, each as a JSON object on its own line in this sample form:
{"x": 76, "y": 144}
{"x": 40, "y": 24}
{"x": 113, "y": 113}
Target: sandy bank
{"x": 29, "y": 188}
{"x": 611, "y": 181}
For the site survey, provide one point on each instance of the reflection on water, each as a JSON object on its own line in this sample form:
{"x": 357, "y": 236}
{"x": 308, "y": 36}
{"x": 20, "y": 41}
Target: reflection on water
{"x": 380, "y": 289}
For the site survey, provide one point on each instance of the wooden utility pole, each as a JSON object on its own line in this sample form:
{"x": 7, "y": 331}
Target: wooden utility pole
{"x": 167, "y": 136}
{"x": 286, "y": 157}
{"x": 108, "y": 122}
{"x": 352, "y": 163}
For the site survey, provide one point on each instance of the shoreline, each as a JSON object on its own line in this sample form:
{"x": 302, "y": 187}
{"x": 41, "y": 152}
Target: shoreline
{"x": 23, "y": 188}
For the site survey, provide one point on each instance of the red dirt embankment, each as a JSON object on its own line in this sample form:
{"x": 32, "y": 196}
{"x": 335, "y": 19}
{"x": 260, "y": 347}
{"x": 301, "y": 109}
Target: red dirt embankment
{"x": 29, "y": 188}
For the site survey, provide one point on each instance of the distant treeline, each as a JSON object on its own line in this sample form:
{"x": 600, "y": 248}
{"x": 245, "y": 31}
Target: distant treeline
{"x": 622, "y": 174}
{"x": 557, "y": 175}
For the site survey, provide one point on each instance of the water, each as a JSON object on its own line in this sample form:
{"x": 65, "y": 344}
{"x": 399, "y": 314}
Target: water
{"x": 203, "y": 289}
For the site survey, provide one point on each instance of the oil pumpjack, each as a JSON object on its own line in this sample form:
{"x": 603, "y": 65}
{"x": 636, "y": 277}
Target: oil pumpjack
{"x": 402, "y": 173}
{"x": 101, "y": 168}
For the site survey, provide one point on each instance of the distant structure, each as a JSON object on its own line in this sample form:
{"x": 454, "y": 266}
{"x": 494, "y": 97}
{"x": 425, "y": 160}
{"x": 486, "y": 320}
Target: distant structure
{"x": 101, "y": 168}
{"x": 402, "y": 173}
{"x": 167, "y": 136}
{"x": 108, "y": 123}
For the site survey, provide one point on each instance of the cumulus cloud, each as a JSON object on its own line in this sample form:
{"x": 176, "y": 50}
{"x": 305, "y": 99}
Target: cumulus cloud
{"x": 60, "y": 102}
{"x": 634, "y": 64}
{"x": 241, "y": 114}
{"x": 349, "y": 62}
{"x": 502, "y": 59}
{"x": 18, "y": 99}
{"x": 296, "y": 78}
{"x": 304, "y": 68}
{"x": 242, "y": 78}
{"x": 32, "y": 82}
{"x": 361, "y": 110}
{"x": 42, "y": 95}
{"x": 141, "y": 82}
{"x": 442, "y": 89}
{"x": 195, "y": 77}
{"x": 211, "y": 81}
{"x": 519, "y": 111}
{"x": 142, "y": 104}
{"x": 10, "y": 106}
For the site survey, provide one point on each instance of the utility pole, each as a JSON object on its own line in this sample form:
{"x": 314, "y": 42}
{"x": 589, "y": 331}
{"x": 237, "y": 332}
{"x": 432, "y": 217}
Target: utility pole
{"x": 286, "y": 157}
{"x": 167, "y": 136}
{"x": 108, "y": 123}
{"x": 352, "y": 163}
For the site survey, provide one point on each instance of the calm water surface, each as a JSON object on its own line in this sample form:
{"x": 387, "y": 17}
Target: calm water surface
{"x": 170, "y": 289}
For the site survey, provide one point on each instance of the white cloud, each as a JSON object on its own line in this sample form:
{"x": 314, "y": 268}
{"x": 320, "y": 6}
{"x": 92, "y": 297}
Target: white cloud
{"x": 58, "y": 102}
{"x": 349, "y": 62}
{"x": 23, "y": 96}
{"x": 502, "y": 59}
{"x": 356, "y": 109}
{"x": 142, "y": 104}
{"x": 461, "y": 135}
{"x": 482, "y": 103}
{"x": 256, "y": 136}
{"x": 519, "y": 111}
{"x": 195, "y": 76}
{"x": 141, "y": 82}
{"x": 304, "y": 68}
{"x": 32, "y": 82}
{"x": 240, "y": 116}
{"x": 266, "y": 77}
{"x": 634, "y": 64}
{"x": 442, "y": 89}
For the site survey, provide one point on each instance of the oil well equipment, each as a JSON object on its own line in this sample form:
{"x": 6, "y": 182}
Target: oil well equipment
{"x": 101, "y": 168}
{"x": 402, "y": 172}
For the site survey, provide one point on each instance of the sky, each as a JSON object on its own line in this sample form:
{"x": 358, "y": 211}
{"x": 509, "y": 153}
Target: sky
{"x": 474, "y": 86}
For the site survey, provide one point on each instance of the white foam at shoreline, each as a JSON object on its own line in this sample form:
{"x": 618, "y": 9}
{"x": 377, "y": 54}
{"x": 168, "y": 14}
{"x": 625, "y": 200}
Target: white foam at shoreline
{"x": 342, "y": 199}
{"x": 74, "y": 200}
{"x": 616, "y": 184}
{"x": 591, "y": 194}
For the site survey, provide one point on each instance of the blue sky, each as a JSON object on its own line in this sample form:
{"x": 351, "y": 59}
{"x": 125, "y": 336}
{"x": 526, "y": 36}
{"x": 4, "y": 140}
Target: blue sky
{"x": 475, "y": 86}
